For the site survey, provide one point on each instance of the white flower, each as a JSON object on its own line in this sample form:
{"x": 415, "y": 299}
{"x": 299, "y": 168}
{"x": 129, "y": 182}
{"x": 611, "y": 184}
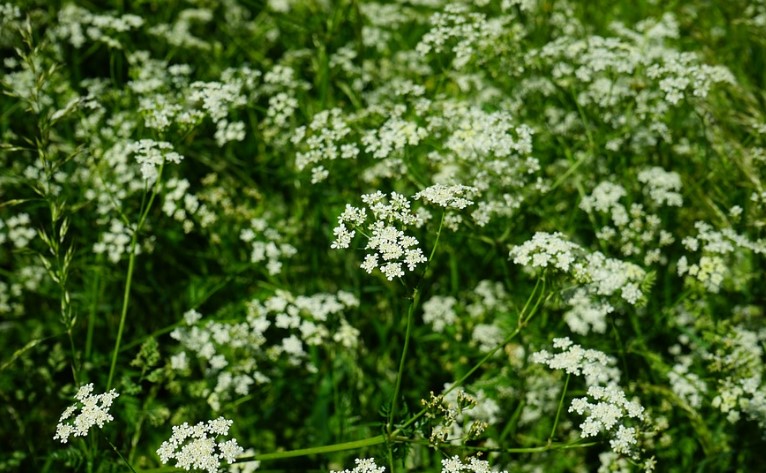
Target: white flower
{"x": 390, "y": 248}
{"x": 195, "y": 447}
{"x": 364, "y": 465}
{"x": 474, "y": 465}
{"x": 94, "y": 410}
{"x": 449, "y": 197}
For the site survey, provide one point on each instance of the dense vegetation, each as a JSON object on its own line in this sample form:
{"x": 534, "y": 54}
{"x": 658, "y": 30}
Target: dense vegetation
{"x": 421, "y": 235}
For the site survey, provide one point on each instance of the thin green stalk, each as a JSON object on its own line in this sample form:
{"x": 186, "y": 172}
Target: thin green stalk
{"x": 129, "y": 276}
{"x": 558, "y": 411}
{"x": 400, "y": 373}
{"x": 120, "y": 454}
{"x": 338, "y": 447}
{"x": 408, "y": 331}
{"x": 124, "y": 312}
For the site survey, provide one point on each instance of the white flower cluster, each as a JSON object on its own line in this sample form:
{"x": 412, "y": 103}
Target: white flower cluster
{"x": 152, "y": 154}
{"x": 18, "y": 230}
{"x": 281, "y": 85}
{"x": 94, "y": 410}
{"x": 78, "y": 25}
{"x": 393, "y": 136}
{"x": 363, "y": 465}
{"x": 474, "y": 316}
{"x": 634, "y": 230}
{"x": 606, "y": 406}
{"x": 474, "y": 465}
{"x": 595, "y": 366}
{"x": 469, "y": 31}
{"x": 439, "y": 312}
{"x": 456, "y": 197}
{"x": 217, "y": 99}
{"x": 598, "y": 277}
{"x": 267, "y": 244}
{"x": 585, "y": 314}
{"x": 739, "y": 364}
{"x": 605, "y": 197}
{"x": 197, "y": 447}
{"x": 179, "y": 33}
{"x": 115, "y": 242}
{"x": 685, "y": 384}
{"x": 608, "y": 409}
{"x": 322, "y": 140}
{"x": 717, "y": 248}
{"x": 182, "y": 205}
{"x": 546, "y": 249}
{"x": 663, "y": 186}
{"x": 680, "y": 75}
{"x": 391, "y": 248}
{"x": 634, "y": 69}
{"x": 236, "y": 356}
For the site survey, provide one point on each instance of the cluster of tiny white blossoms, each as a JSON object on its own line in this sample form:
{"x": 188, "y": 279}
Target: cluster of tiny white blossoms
{"x": 449, "y": 465}
{"x": 717, "y": 248}
{"x": 546, "y": 249}
{"x": 197, "y": 447}
{"x": 115, "y": 242}
{"x": 473, "y": 465}
{"x": 606, "y": 406}
{"x": 596, "y": 367}
{"x": 473, "y": 316}
{"x": 152, "y": 154}
{"x": 738, "y": 361}
{"x": 363, "y": 465}
{"x": 184, "y": 206}
{"x": 179, "y": 33}
{"x": 456, "y": 24}
{"x": 455, "y": 197}
{"x": 94, "y": 410}
{"x": 18, "y": 230}
{"x": 637, "y": 229}
{"x": 662, "y": 186}
{"x": 322, "y": 140}
{"x": 388, "y": 243}
{"x": 236, "y": 357}
{"x": 267, "y": 244}
{"x": 598, "y": 277}
{"x": 80, "y": 26}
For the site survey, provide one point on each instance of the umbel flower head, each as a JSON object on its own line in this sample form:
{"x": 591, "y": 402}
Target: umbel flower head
{"x": 195, "y": 447}
{"x": 94, "y": 410}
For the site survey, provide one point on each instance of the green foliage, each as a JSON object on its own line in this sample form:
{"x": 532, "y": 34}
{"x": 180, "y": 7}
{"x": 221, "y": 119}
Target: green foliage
{"x": 432, "y": 233}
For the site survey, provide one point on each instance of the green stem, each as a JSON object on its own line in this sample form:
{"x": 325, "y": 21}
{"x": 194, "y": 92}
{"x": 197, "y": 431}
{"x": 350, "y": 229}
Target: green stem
{"x": 400, "y": 373}
{"x": 129, "y": 276}
{"x": 120, "y": 454}
{"x": 338, "y": 447}
{"x": 558, "y": 411}
{"x": 123, "y": 314}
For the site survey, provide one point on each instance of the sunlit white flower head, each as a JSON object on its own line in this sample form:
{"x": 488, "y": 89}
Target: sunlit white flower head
{"x": 94, "y": 410}
{"x": 197, "y": 447}
{"x": 391, "y": 248}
